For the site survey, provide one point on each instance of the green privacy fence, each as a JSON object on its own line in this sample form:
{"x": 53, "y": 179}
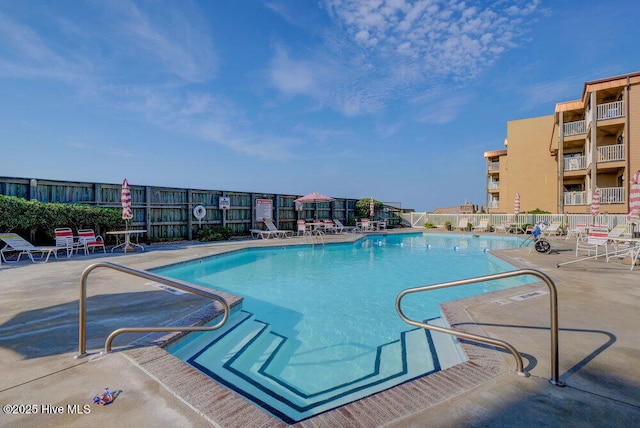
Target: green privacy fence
{"x": 168, "y": 213}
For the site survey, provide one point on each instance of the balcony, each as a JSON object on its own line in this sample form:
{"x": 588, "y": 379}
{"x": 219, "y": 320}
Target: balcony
{"x": 493, "y": 185}
{"x": 493, "y": 205}
{"x": 575, "y": 198}
{"x": 493, "y": 167}
{"x": 575, "y": 128}
{"x": 614, "y": 152}
{"x": 575, "y": 164}
{"x": 611, "y": 110}
{"x": 612, "y": 195}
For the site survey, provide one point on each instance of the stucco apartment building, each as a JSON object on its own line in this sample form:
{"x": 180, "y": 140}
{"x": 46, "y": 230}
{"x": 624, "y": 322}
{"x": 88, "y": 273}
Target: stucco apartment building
{"x": 556, "y": 162}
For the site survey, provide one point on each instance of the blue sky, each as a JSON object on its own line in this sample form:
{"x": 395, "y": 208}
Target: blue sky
{"x": 392, "y": 99}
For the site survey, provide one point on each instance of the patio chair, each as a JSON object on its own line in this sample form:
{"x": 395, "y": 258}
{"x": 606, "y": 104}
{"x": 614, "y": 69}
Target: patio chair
{"x": 65, "y": 240}
{"x": 14, "y": 243}
{"x": 597, "y": 238}
{"x": 302, "y": 228}
{"x": 364, "y": 225}
{"x": 482, "y": 226}
{"x": 329, "y": 226}
{"x": 577, "y": 231}
{"x": 382, "y": 224}
{"x": 88, "y": 240}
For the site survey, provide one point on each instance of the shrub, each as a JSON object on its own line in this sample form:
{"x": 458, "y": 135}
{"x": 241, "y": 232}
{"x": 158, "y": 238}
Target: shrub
{"x": 429, "y": 225}
{"x": 23, "y": 217}
{"x": 215, "y": 233}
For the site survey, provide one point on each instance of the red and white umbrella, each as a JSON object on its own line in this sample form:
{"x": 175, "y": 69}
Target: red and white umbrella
{"x": 372, "y": 210}
{"x": 634, "y": 199}
{"x": 516, "y": 205}
{"x": 314, "y": 198}
{"x": 125, "y": 199}
{"x": 595, "y": 202}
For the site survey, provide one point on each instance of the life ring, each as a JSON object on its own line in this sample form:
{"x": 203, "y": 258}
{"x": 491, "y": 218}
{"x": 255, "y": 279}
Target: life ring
{"x": 199, "y": 212}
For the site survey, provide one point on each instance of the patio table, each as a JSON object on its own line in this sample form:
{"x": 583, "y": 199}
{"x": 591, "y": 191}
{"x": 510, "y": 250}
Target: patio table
{"x": 127, "y": 239}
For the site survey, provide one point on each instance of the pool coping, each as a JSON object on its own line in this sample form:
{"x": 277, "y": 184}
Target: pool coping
{"x": 222, "y": 407}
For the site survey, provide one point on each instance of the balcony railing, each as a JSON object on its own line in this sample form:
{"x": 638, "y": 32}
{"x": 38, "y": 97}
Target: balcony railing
{"x": 494, "y": 205}
{"x": 575, "y": 198}
{"x": 612, "y": 195}
{"x": 614, "y": 152}
{"x": 575, "y": 128}
{"x": 611, "y": 110}
{"x": 575, "y": 164}
{"x": 493, "y": 185}
{"x": 493, "y": 166}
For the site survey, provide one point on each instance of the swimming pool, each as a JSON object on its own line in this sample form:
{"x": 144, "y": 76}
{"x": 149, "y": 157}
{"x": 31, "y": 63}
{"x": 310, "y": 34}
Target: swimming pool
{"x": 318, "y": 326}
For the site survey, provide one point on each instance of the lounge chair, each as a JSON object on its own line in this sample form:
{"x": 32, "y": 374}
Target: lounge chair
{"x": 342, "y": 227}
{"x": 552, "y": 230}
{"x": 482, "y": 227}
{"x": 17, "y": 244}
{"x": 463, "y": 223}
{"x": 88, "y": 240}
{"x": 271, "y": 232}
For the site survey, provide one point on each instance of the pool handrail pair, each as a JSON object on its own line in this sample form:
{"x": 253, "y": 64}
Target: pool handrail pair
{"x": 150, "y": 276}
{"x": 553, "y": 296}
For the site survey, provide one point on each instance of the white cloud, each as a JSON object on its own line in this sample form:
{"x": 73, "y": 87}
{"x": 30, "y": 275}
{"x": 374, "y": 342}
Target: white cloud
{"x": 381, "y": 51}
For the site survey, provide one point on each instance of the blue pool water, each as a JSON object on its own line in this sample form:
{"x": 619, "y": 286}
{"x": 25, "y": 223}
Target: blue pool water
{"x": 318, "y": 326}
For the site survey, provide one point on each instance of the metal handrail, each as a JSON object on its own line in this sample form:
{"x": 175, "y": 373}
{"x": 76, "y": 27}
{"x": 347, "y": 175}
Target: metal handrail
{"x": 553, "y": 296}
{"x": 147, "y": 275}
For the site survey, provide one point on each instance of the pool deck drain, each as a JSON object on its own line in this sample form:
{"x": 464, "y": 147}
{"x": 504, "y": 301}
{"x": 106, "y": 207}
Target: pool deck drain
{"x": 599, "y": 347}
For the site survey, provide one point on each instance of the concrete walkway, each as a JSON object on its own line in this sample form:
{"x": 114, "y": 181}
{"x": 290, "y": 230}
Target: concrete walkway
{"x": 599, "y": 307}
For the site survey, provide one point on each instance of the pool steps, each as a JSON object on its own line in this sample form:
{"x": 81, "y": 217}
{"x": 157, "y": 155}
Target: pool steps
{"x": 232, "y": 362}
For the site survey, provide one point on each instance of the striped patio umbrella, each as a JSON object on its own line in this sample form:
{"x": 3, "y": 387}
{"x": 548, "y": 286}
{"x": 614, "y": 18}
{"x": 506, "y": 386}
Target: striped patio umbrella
{"x": 125, "y": 199}
{"x": 372, "y": 210}
{"x": 634, "y": 199}
{"x": 595, "y": 203}
{"x": 516, "y": 205}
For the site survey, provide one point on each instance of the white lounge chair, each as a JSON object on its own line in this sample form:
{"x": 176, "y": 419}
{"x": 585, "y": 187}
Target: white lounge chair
{"x": 463, "y": 223}
{"x": 552, "y": 230}
{"x": 482, "y": 226}
{"x": 342, "y": 227}
{"x": 17, "y": 244}
{"x": 271, "y": 232}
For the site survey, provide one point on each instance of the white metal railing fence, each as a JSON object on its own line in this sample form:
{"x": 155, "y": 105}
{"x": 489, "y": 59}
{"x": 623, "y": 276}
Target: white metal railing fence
{"x": 575, "y": 163}
{"x": 575, "y": 198}
{"x": 614, "y": 152}
{"x": 612, "y": 195}
{"x": 611, "y": 110}
{"x": 575, "y": 128}
{"x": 494, "y": 205}
{"x": 418, "y": 219}
{"x": 493, "y": 185}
